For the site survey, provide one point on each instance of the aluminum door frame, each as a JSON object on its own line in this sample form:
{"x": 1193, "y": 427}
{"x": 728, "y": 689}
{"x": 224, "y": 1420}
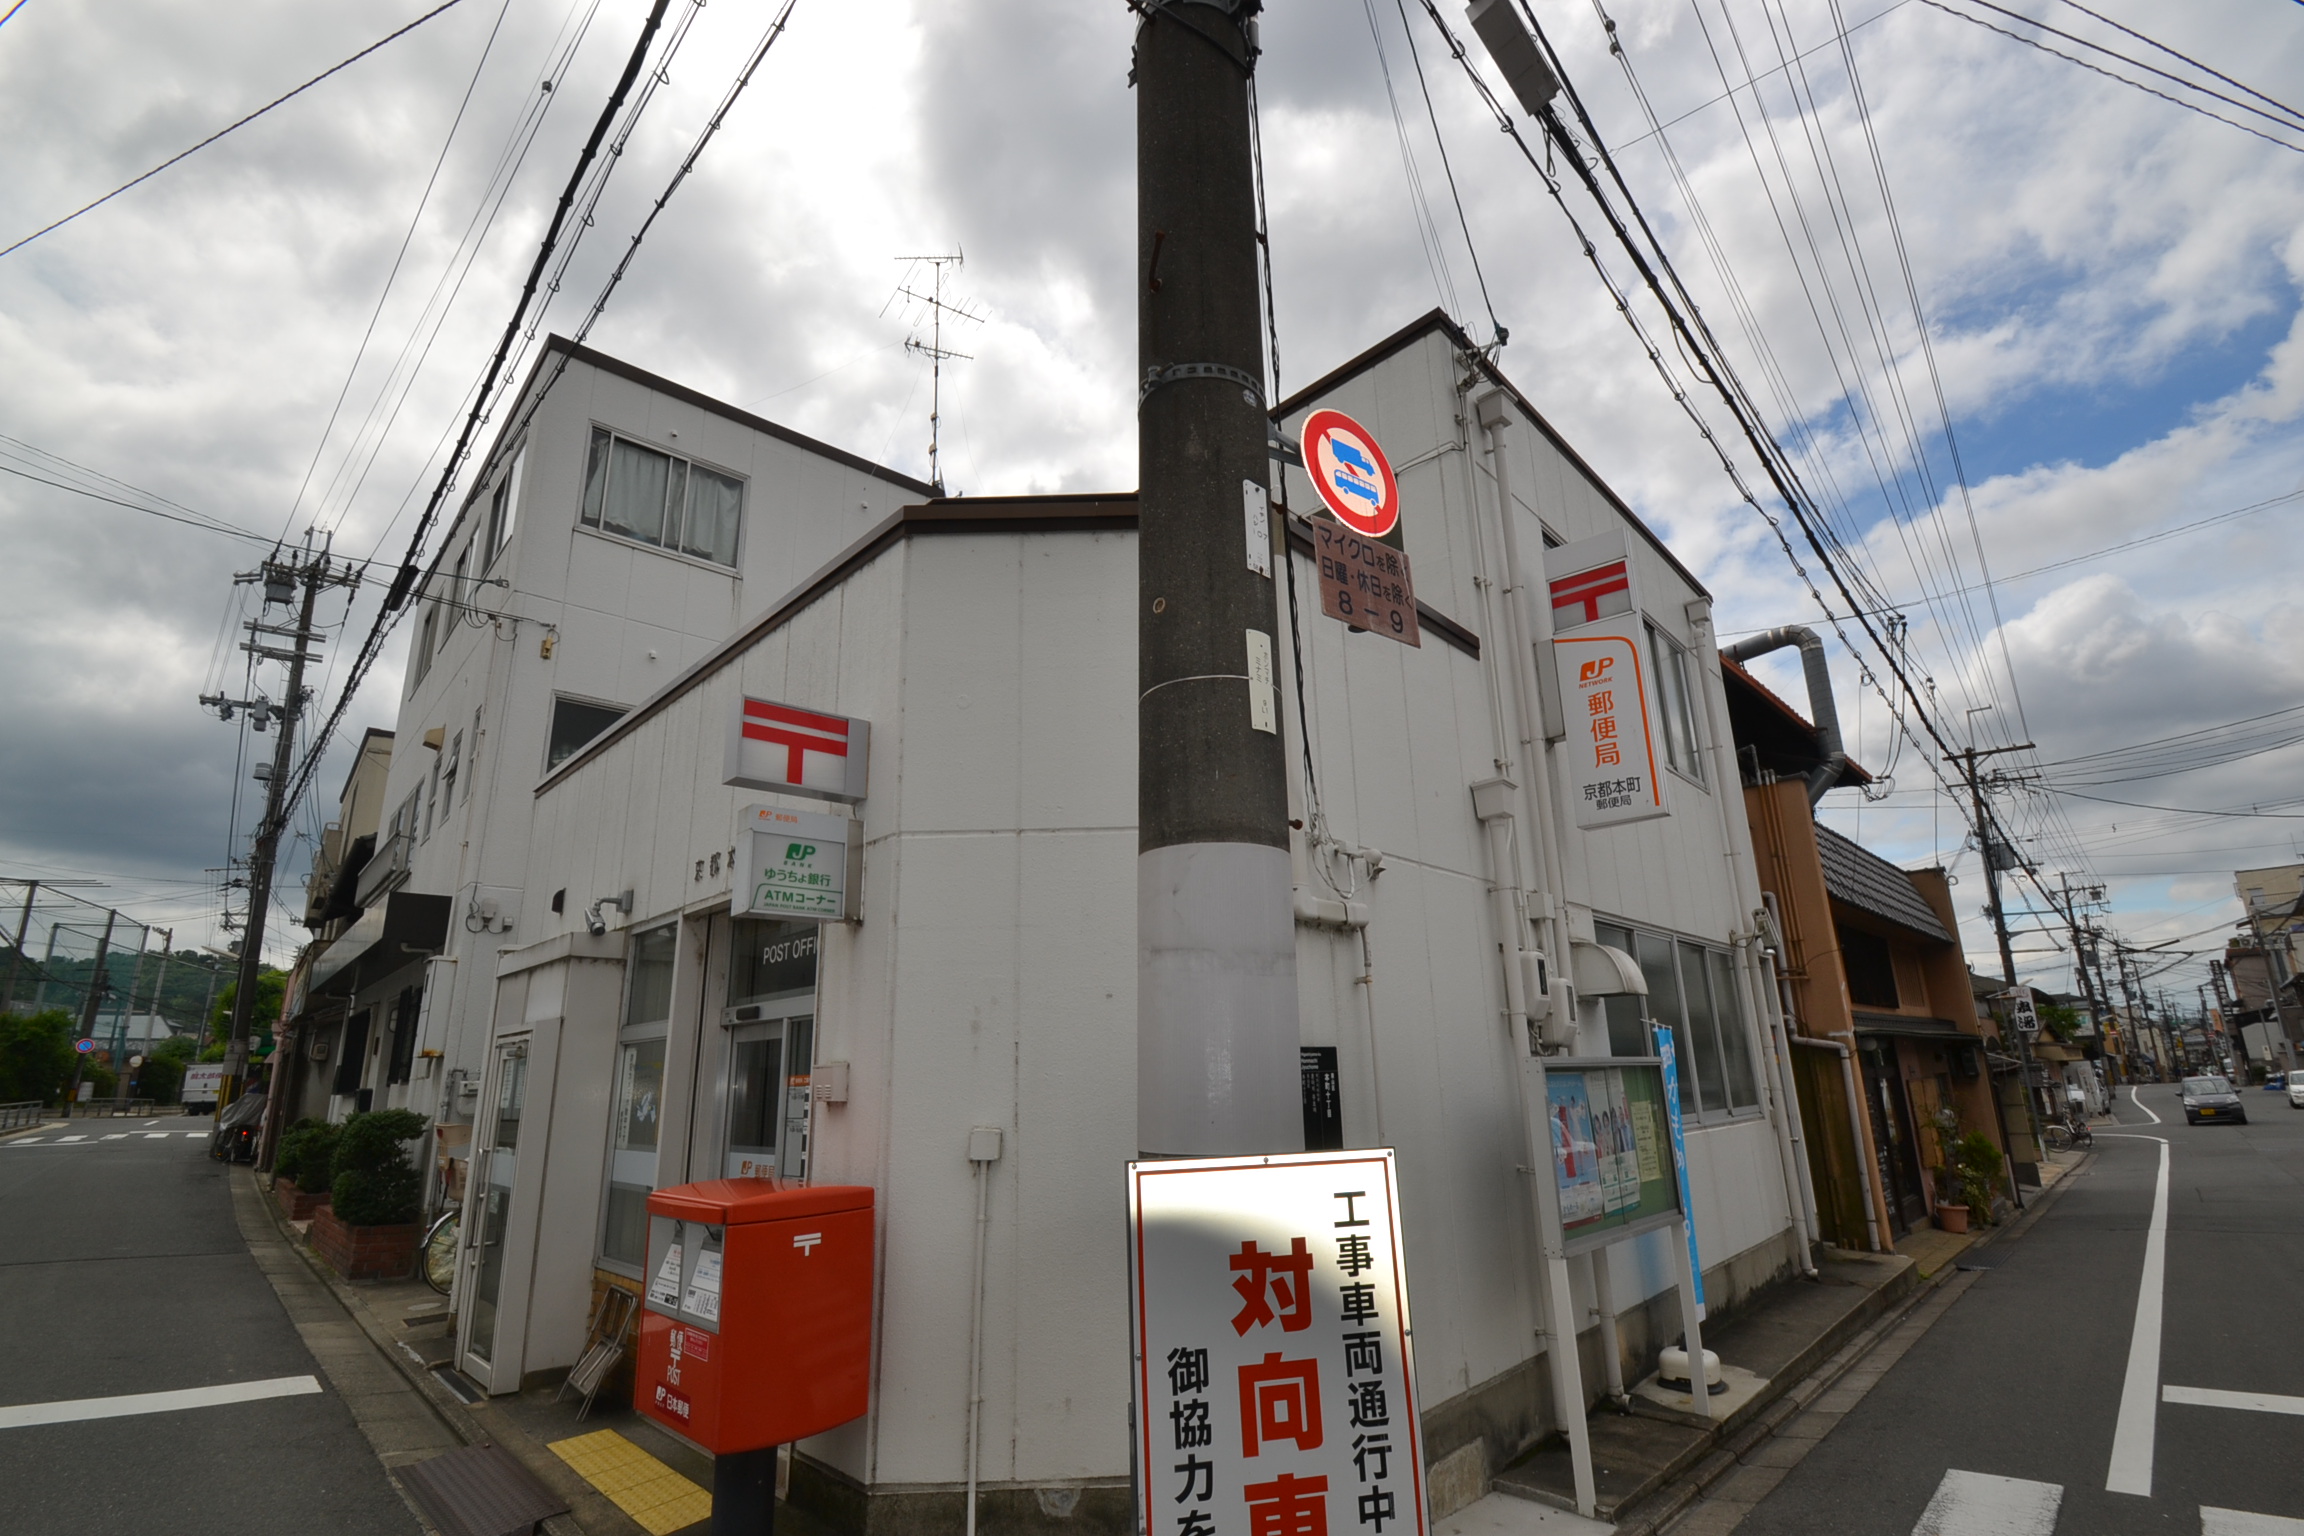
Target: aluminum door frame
{"x": 502, "y": 1374}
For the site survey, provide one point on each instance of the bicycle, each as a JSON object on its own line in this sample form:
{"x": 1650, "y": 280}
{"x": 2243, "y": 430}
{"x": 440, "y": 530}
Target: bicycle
{"x": 436, "y": 1255}
{"x": 2064, "y": 1136}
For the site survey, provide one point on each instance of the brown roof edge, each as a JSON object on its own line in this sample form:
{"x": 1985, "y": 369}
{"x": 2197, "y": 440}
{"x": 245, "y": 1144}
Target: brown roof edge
{"x": 1103, "y": 510}
{"x": 1736, "y": 672}
{"x": 1437, "y": 320}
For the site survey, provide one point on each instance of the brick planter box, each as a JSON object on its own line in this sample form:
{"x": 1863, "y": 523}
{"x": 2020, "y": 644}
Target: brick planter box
{"x": 298, "y": 1205}
{"x": 365, "y": 1253}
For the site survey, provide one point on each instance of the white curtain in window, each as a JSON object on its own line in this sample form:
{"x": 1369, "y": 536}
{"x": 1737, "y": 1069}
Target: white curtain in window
{"x": 715, "y": 504}
{"x": 636, "y": 486}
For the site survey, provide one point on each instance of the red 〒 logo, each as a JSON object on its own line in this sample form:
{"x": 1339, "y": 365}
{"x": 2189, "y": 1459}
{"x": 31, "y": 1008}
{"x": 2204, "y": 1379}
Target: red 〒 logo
{"x": 797, "y": 730}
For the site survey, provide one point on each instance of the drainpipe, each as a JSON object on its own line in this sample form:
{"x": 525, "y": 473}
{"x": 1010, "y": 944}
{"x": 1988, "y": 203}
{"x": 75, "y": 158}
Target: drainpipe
{"x": 983, "y": 1152}
{"x": 1856, "y": 1129}
{"x": 1821, "y": 709}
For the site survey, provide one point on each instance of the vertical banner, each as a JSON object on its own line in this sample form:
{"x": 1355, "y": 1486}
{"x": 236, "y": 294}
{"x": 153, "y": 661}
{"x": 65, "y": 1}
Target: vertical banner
{"x": 1671, "y": 1058}
{"x": 1275, "y": 1394}
{"x": 1606, "y": 692}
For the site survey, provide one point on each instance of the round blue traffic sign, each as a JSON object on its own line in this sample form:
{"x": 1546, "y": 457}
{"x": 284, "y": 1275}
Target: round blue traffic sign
{"x": 84, "y": 1046}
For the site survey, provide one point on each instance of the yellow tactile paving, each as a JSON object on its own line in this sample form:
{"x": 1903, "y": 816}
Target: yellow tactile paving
{"x": 660, "y": 1499}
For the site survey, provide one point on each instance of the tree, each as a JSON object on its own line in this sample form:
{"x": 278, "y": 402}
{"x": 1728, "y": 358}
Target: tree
{"x": 162, "y": 1075}
{"x": 2060, "y": 1020}
{"x": 271, "y": 992}
{"x": 36, "y": 1054}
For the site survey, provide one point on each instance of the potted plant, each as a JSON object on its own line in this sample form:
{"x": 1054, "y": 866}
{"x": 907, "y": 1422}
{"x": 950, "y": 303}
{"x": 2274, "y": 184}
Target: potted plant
{"x": 1951, "y": 1200}
{"x": 368, "y": 1230}
{"x": 302, "y": 1167}
{"x": 1980, "y": 1164}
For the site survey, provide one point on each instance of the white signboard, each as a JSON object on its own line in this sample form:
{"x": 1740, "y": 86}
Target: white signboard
{"x": 796, "y": 864}
{"x": 1274, "y": 1388}
{"x": 783, "y": 747}
{"x": 1607, "y": 694}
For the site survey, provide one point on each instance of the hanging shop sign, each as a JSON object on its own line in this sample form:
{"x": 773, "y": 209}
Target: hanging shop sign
{"x": 1612, "y": 1152}
{"x": 783, "y": 747}
{"x": 797, "y": 864}
{"x": 1351, "y": 475}
{"x": 1269, "y": 1311}
{"x": 1364, "y": 582}
{"x": 1606, "y": 691}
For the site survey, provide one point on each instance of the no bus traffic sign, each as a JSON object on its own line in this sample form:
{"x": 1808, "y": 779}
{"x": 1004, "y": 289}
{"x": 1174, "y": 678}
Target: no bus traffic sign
{"x": 1351, "y": 475}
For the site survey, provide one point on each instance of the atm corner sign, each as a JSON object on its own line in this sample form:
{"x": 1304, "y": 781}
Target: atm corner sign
{"x": 799, "y": 751}
{"x": 796, "y": 864}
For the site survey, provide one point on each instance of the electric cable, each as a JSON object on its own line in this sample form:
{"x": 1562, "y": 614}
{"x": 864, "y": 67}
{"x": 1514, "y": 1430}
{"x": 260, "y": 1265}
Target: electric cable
{"x": 1440, "y": 140}
{"x": 221, "y": 132}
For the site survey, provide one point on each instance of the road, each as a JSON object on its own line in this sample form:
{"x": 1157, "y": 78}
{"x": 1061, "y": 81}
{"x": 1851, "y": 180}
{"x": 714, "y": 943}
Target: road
{"x": 122, "y": 1273}
{"x": 2032, "y": 1407}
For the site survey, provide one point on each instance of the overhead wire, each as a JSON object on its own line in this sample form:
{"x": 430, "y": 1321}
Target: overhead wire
{"x": 184, "y": 155}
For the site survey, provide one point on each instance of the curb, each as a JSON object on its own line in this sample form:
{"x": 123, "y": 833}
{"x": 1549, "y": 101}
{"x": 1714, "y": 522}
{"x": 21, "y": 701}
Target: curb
{"x": 591, "y": 1514}
{"x": 1938, "y": 1291}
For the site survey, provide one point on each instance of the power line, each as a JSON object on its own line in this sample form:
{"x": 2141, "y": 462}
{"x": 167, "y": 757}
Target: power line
{"x": 2187, "y": 58}
{"x": 221, "y": 132}
{"x": 1495, "y": 327}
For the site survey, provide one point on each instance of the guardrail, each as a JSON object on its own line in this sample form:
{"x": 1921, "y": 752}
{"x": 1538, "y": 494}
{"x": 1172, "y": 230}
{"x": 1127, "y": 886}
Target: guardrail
{"x": 113, "y": 1109}
{"x": 18, "y": 1115}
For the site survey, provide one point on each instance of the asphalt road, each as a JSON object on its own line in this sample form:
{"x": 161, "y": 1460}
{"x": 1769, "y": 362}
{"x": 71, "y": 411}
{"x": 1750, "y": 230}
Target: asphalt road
{"x": 2026, "y": 1376}
{"x": 121, "y": 1272}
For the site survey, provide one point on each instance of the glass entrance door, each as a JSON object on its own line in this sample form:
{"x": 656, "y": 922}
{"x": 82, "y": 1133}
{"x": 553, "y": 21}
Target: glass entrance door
{"x": 767, "y": 1113}
{"x": 494, "y": 1196}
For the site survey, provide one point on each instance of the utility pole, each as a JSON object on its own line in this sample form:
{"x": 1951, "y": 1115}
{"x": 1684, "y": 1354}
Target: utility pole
{"x": 88, "y": 1008}
{"x": 2273, "y": 979}
{"x": 281, "y": 576}
{"x": 16, "y": 951}
{"x": 1986, "y": 846}
{"x": 2080, "y": 950}
{"x": 1217, "y": 1045}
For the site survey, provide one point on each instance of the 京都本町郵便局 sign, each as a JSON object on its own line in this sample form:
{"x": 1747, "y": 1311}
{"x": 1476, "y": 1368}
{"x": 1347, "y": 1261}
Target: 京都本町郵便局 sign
{"x": 1274, "y": 1387}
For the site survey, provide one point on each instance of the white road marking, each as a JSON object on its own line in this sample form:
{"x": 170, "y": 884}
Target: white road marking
{"x": 1974, "y": 1504}
{"x": 63, "y": 1139}
{"x": 2238, "y": 1522}
{"x": 20, "y": 1415}
{"x": 155, "y": 1135}
{"x": 2209, "y": 1397}
{"x": 2136, "y": 1095}
{"x": 29, "y": 1141}
{"x": 2132, "y": 1434}
{"x": 117, "y": 1136}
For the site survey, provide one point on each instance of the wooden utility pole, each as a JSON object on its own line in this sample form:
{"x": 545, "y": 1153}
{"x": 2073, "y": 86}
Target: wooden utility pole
{"x": 1985, "y": 845}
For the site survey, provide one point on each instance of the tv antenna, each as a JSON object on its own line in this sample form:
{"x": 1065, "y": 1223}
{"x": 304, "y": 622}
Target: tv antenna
{"x": 933, "y": 348}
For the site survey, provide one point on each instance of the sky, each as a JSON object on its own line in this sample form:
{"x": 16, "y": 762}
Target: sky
{"x": 1894, "y": 219}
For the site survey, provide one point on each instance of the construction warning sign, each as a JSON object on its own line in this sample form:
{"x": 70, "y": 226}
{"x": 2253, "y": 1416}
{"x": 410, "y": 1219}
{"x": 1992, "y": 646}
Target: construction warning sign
{"x": 1274, "y": 1388}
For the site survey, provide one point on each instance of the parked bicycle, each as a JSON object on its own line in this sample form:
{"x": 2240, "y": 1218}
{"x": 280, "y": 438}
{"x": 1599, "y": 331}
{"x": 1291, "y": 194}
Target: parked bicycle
{"x": 436, "y": 1257}
{"x": 2065, "y": 1135}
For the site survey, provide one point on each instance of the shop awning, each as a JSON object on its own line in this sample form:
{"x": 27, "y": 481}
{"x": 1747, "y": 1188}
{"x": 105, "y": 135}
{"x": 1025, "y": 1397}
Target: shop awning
{"x": 373, "y": 946}
{"x": 1914, "y": 1028}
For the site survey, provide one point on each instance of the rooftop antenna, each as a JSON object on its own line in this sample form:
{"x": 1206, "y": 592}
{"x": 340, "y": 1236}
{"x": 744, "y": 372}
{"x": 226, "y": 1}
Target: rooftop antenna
{"x": 933, "y": 348}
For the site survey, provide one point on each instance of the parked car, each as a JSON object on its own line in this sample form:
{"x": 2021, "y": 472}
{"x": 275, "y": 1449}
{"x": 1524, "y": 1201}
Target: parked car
{"x": 2295, "y": 1085}
{"x": 2211, "y": 1098}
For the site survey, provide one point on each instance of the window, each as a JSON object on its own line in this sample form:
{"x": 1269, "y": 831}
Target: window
{"x": 472, "y": 768}
{"x": 1692, "y": 990}
{"x": 1871, "y": 968}
{"x": 654, "y": 498}
{"x": 448, "y": 774}
{"x": 431, "y": 798}
{"x": 427, "y": 641}
{"x": 636, "y": 1109}
{"x": 1668, "y": 662}
{"x": 574, "y": 722}
{"x": 503, "y": 506}
{"x": 459, "y": 597}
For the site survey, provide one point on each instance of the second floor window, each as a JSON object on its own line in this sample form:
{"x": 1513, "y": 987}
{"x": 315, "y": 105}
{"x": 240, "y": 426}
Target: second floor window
{"x": 638, "y": 493}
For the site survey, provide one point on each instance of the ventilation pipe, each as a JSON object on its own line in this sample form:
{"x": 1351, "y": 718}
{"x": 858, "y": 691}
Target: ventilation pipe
{"x": 1820, "y": 706}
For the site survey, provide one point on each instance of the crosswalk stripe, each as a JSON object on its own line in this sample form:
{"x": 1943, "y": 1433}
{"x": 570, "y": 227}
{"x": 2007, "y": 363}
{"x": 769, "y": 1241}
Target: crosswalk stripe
{"x": 1977, "y": 1504}
{"x": 2238, "y": 1522}
{"x": 71, "y": 1138}
{"x": 117, "y": 1136}
{"x": 155, "y": 1135}
{"x": 2209, "y": 1397}
{"x": 22, "y": 1415}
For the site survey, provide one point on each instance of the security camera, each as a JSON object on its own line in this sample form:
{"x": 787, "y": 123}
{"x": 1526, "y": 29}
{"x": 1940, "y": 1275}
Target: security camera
{"x": 594, "y": 922}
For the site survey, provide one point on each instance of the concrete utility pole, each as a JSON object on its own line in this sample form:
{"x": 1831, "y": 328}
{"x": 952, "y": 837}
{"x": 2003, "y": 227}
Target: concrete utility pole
{"x": 2272, "y": 977}
{"x": 1216, "y": 1036}
{"x": 281, "y": 576}
{"x": 1984, "y": 845}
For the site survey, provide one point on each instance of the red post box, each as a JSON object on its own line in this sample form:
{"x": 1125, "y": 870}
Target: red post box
{"x": 756, "y": 1327}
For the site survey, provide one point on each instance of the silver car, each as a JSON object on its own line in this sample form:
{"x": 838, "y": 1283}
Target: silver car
{"x": 2296, "y": 1090}
{"x": 2211, "y": 1098}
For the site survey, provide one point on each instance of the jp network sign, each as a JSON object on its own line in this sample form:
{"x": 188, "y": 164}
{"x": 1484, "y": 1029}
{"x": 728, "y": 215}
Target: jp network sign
{"x": 1274, "y": 1389}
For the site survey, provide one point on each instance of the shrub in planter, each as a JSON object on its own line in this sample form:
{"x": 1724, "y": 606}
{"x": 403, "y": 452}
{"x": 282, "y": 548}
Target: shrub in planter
{"x": 375, "y": 1185}
{"x": 316, "y": 1169}
{"x": 288, "y": 1157}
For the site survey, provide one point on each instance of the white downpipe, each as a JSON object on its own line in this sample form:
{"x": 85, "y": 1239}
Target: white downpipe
{"x": 983, "y": 1152}
{"x": 1611, "y": 1346}
{"x": 1780, "y": 1038}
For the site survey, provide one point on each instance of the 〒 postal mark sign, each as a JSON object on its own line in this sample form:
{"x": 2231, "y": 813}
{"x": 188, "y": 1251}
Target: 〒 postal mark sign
{"x": 1351, "y": 474}
{"x": 1275, "y": 1392}
{"x": 783, "y": 747}
{"x": 1606, "y": 690}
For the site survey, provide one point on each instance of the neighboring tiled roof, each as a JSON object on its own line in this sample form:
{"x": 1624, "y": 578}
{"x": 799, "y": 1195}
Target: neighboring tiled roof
{"x": 1863, "y": 879}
